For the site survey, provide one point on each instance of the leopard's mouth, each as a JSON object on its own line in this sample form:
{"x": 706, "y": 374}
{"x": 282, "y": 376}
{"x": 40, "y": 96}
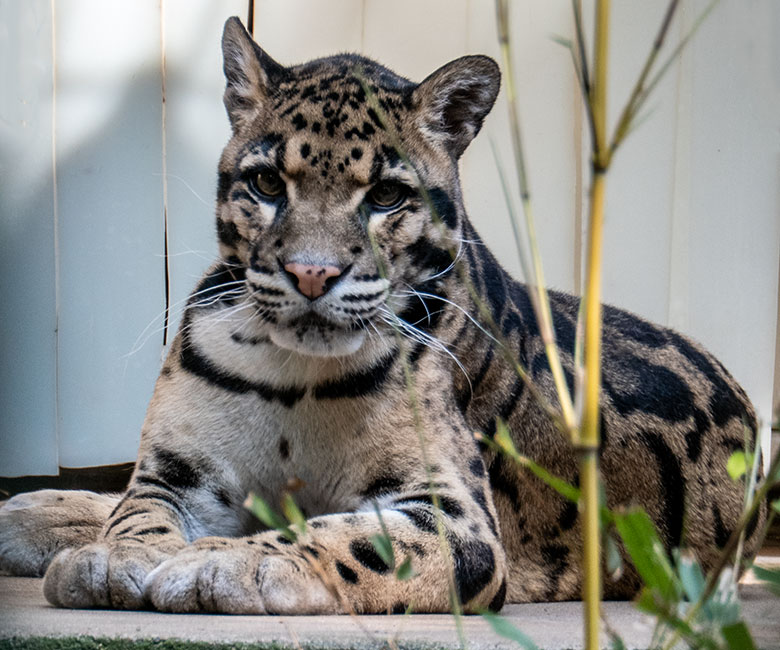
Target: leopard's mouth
{"x": 315, "y": 335}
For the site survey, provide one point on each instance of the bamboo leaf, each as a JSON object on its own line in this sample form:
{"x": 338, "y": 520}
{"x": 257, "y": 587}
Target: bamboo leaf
{"x": 382, "y": 541}
{"x": 293, "y": 513}
{"x": 646, "y": 603}
{"x": 562, "y": 40}
{"x": 647, "y": 553}
{"x": 504, "y": 628}
{"x": 504, "y": 443}
{"x": 770, "y": 578}
{"x": 691, "y": 578}
{"x": 504, "y": 440}
{"x": 616, "y": 643}
{"x": 614, "y": 559}
{"x": 405, "y": 570}
{"x": 738, "y": 464}
{"x": 384, "y": 549}
{"x": 737, "y": 636}
{"x": 265, "y": 513}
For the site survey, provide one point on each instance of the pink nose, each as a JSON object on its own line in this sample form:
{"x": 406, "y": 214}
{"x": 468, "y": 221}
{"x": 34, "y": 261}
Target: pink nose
{"x": 311, "y": 279}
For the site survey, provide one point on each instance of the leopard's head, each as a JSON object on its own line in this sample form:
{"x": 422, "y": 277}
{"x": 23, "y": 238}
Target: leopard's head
{"x": 339, "y": 192}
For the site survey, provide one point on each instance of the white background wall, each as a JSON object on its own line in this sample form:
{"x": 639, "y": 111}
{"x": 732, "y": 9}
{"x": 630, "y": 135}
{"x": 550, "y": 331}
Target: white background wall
{"x": 111, "y": 124}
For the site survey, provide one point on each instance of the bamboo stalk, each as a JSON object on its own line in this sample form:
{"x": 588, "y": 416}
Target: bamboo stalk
{"x": 589, "y": 432}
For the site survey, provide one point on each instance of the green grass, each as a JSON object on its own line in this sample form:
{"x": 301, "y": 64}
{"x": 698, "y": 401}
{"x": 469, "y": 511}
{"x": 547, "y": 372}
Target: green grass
{"x": 105, "y": 643}
{"x": 93, "y": 643}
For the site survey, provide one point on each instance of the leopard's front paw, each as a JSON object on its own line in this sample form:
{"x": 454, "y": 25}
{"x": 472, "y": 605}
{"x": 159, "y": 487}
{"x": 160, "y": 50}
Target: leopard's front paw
{"x": 287, "y": 588}
{"x": 208, "y": 577}
{"x": 100, "y": 575}
{"x": 236, "y": 577}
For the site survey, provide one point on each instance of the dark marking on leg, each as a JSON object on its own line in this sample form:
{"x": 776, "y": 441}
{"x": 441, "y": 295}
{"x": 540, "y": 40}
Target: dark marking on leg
{"x": 384, "y": 484}
{"x": 474, "y": 567}
{"x": 479, "y": 496}
{"x": 363, "y": 551}
{"x": 555, "y": 556}
{"x": 422, "y": 518}
{"x": 722, "y": 534}
{"x": 175, "y": 470}
{"x": 498, "y": 600}
{"x": 447, "y": 504}
{"x": 672, "y": 484}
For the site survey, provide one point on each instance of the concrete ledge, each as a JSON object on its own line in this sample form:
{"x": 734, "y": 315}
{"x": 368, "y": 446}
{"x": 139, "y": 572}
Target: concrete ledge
{"x": 28, "y": 619}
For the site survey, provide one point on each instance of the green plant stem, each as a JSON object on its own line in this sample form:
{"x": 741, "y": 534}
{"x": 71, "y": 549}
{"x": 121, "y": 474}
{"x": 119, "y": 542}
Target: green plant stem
{"x": 589, "y": 433}
{"x": 539, "y": 297}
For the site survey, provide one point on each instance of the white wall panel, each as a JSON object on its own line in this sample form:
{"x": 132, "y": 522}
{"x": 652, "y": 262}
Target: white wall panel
{"x": 735, "y": 204}
{"x": 640, "y": 184}
{"x": 109, "y": 188}
{"x": 693, "y": 215}
{"x": 28, "y": 440}
{"x": 547, "y": 95}
{"x": 196, "y": 130}
{"x": 294, "y": 31}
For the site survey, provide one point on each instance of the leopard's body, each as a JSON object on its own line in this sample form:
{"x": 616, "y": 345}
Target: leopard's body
{"x": 289, "y": 373}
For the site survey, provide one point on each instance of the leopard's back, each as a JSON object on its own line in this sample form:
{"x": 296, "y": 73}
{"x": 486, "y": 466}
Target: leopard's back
{"x": 671, "y": 416}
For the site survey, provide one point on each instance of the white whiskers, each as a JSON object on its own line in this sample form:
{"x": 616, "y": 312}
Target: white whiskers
{"x": 234, "y": 290}
{"x": 417, "y": 335}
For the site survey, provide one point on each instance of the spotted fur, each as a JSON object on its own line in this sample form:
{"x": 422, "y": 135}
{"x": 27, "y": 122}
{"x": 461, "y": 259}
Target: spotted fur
{"x": 363, "y": 395}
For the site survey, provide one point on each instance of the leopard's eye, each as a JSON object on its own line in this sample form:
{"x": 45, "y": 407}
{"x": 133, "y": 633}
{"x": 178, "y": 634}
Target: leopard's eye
{"x": 269, "y": 183}
{"x": 387, "y": 194}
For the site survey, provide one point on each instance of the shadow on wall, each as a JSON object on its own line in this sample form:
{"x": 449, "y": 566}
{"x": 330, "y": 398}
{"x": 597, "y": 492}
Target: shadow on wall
{"x": 80, "y": 284}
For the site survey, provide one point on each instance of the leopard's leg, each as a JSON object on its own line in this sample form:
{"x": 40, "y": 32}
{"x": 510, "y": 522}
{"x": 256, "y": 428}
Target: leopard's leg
{"x": 153, "y": 520}
{"x": 35, "y": 526}
{"x": 335, "y": 567}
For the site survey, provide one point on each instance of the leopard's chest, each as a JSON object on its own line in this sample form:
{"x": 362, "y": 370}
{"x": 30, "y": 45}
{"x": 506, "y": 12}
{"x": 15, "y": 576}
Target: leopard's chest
{"x": 289, "y": 429}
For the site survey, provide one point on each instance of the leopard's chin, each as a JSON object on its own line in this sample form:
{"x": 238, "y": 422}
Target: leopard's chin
{"x": 316, "y": 338}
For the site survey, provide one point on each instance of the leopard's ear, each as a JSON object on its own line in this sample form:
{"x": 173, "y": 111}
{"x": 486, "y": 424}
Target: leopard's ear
{"x": 250, "y": 73}
{"x": 453, "y": 101}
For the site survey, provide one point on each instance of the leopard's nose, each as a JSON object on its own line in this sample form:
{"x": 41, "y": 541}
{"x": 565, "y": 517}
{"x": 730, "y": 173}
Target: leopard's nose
{"x": 312, "y": 280}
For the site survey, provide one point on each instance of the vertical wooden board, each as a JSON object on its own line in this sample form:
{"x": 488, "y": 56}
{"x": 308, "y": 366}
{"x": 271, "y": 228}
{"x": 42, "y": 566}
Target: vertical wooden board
{"x": 547, "y": 103}
{"x": 641, "y": 181}
{"x": 734, "y": 227}
{"x": 196, "y": 130}
{"x": 28, "y": 440}
{"x": 294, "y": 31}
{"x": 110, "y": 223}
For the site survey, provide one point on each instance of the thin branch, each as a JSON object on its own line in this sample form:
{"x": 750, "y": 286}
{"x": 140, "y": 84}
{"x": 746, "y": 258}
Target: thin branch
{"x": 539, "y": 297}
{"x": 584, "y": 70}
{"x": 676, "y": 52}
{"x": 631, "y": 107}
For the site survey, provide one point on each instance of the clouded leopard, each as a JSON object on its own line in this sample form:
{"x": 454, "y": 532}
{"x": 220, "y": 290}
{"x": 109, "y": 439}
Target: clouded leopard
{"x": 336, "y": 349}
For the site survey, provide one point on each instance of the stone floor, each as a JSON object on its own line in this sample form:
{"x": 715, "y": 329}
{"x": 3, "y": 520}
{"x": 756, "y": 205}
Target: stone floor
{"x": 24, "y": 613}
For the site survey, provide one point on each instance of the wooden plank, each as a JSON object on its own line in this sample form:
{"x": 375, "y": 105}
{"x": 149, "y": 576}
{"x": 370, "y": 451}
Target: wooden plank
{"x": 28, "y": 441}
{"x": 108, "y": 130}
{"x": 734, "y": 224}
{"x": 196, "y": 130}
